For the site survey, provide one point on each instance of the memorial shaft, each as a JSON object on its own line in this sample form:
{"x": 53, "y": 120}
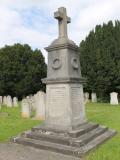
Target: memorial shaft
{"x": 64, "y": 89}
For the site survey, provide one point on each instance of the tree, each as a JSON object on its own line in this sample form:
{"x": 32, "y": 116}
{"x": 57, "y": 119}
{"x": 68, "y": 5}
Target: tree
{"x": 21, "y": 70}
{"x": 100, "y": 59}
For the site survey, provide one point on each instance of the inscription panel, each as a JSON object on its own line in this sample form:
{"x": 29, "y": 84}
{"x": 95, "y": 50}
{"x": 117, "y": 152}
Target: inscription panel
{"x": 57, "y": 101}
{"x": 76, "y": 101}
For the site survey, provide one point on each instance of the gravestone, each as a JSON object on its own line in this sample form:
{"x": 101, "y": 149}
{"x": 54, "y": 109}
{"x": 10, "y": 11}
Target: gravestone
{"x": 1, "y": 101}
{"x": 15, "y": 102}
{"x": 86, "y": 97}
{"x": 9, "y": 101}
{"x": 40, "y": 106}
{"x": 113, "y": 98}
{"x": 25, "y": 108}
{"x": 4, "y": 100}
{"x": 94, "y": 97}
{"x": 65, "y": 129}
{"x": 29, "y": 99}
{"x": 33, "y": 102}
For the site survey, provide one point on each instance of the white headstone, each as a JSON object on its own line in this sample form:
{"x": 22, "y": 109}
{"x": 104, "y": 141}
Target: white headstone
{"x": 25, "y": 109}
{"x": 32, "y": 101}
{"x": 15, "y": 101}
{"x": 0, "y": 102}
{"x": 4, "y": 100}
{"x": 86, "y": 97}
{"x": 9, "y": 101}
{"x": 40, "y": 105}
{"x": 94, "y": 97}
{"x": 34, "y": 104}
{"x": 114, "y": 98}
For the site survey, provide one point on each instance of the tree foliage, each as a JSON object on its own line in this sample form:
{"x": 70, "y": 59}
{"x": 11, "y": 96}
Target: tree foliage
{"x": 100, "y": 59}
{"x": 21, "y": 70}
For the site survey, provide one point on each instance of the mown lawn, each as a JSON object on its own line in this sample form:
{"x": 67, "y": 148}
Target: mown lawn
{"x": 109, "y": 116}
{"x": 13, "y": 124}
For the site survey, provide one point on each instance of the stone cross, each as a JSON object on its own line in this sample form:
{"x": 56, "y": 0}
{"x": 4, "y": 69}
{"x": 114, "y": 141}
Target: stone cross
{"x": 61, "y": 15}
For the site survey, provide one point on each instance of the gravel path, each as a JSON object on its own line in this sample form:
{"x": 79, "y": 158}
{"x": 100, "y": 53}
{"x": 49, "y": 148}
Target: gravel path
{"x": 12, "y": 151}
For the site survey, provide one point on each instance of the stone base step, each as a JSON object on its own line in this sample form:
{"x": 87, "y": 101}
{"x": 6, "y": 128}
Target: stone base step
{"x": 49, "y": 137}
{"x": 96, "y": 142}
{"x": 65, "y": 149}
{"x": 68, "y": 150}
{"x": 82, "y": 130}
{"x": 67, "y": 140}
{"x": 89, "y": 136}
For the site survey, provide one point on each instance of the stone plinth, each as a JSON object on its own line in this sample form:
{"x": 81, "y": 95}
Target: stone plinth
{"x": 65, "y": 107}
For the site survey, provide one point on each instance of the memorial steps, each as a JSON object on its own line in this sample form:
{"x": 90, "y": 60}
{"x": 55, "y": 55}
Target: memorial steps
{"x": 75, "y": 143}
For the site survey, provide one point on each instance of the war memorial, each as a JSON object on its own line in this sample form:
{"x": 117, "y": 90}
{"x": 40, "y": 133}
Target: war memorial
{"x": 65, "y": 129}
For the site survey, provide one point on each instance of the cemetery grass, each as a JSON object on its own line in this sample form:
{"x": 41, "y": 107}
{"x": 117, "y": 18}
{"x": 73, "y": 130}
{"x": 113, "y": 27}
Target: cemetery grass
{"x": 12, "y": 124}
{"x": 109, "y": 116}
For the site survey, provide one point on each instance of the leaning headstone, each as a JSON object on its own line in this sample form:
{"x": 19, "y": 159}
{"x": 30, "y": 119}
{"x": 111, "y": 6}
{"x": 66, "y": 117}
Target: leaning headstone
{"x": 113, "y": 98}
{"x": 9, "y": 101}
{"x": 86, "y": 97}
{"x": 94, "y": 97}
{"x": 15, "y": 102}
{"x": 40, "y": 106}
{"x": 25, "y": 109}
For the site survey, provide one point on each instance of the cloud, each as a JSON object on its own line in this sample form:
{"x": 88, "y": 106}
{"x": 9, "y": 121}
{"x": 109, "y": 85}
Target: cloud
{"x": 32, "y": 22}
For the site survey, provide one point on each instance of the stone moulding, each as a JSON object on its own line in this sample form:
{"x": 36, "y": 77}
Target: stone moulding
{"x": 64, "y": 80}
{"x": 62, "y": 46}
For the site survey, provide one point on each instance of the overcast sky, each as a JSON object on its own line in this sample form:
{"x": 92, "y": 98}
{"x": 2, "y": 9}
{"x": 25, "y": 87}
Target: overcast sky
{"x": 32, "y": 22}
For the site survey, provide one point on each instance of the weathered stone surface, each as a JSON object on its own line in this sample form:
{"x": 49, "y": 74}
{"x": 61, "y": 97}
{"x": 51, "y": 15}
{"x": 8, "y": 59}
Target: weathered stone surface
{"x": 40, "y": 105}
{"x": 33, "y": 100}
{"x": 65, "y": 142}
{"x": 64, "y": 90}
{"x": 94, "y": 97}
{"x": 15, "y": 102}
{"x": 9, "y": 101}
{"x": 12, "y": 151}
{"x": 25, "y": 109}
{"x": 86, "y": 97}
{"x": 113, "y": 98}
{"x": 4, "y": 100}
{"x": 65, "y": 106}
